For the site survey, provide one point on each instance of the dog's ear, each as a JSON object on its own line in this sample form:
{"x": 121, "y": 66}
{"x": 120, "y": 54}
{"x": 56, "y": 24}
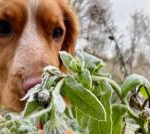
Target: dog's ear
{"x": 72, "y": 29}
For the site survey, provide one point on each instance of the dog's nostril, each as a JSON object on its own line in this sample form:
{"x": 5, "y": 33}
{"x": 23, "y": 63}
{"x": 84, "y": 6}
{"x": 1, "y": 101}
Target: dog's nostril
{"x": 31, "y": 82}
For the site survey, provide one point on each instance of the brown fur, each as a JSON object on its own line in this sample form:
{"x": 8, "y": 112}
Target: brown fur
{"x": 31, "y": 46}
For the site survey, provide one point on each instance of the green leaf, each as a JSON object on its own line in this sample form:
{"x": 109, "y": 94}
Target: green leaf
{"x": 143, "y": 92}
{"x": 92, "y": 63}
{"x": 42, "y": 114}
{"x": 52, "y": 70}
{"x": 83, "y": 99}
{"x": 75, "y": 65}
{"x": 51, "y": 82}
{"x": 65, "y": 57}
{"x": 94, "y": 127}
{"x": 85, "y": 78}
{"x": 82, "y": 119}
{"x": 59, "y": 103}
{"x": 68, "y": 61}
{"x": 57, "y": 98}
{"x": 106, "y": 127}
{"x": 132, "y": 82}
{"x": 103, "y": 127}
{"x": 30, "y": 108}
{"x": 32, "y": 92}
{"x": 118, "y": 112}
{"x": 113, "y": 84}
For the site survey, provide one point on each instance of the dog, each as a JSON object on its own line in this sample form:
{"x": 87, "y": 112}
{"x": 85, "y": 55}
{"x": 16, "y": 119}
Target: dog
{"x": 32, "y": 32}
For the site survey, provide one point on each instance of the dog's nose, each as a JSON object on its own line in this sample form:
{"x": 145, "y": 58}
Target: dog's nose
{"x": 30, "y": 82}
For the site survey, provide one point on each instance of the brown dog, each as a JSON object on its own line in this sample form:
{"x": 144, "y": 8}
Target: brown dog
{"x": 32, "y": 32}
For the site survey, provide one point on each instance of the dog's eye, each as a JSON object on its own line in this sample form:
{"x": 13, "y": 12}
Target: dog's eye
{"x": 5, "y": 28}
{"x": 57, "y": 33}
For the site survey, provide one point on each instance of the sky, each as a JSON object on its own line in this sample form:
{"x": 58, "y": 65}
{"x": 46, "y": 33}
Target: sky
{"x": 122, "y": 9}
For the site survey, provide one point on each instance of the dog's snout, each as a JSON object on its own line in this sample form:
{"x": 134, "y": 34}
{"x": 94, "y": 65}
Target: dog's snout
{"x": 30, "y": 82}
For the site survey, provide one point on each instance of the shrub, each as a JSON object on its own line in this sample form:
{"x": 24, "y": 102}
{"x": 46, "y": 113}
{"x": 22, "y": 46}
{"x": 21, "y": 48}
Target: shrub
{"x": 81, "y": 101}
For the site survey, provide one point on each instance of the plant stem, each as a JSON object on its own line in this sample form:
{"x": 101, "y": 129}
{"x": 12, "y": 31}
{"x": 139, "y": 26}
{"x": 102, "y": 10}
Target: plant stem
{"x": 115, "y": 86}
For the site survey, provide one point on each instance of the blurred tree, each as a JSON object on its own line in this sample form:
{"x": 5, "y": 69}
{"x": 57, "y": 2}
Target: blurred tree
{"x": 98, "y": 30}
{"x": 139, "y": 30}
{"x": 93, "y": 16}
{"x": 99, "y": 36}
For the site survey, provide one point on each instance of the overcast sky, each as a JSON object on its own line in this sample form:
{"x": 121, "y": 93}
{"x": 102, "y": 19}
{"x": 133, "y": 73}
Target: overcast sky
{"x": 123, "y": 8}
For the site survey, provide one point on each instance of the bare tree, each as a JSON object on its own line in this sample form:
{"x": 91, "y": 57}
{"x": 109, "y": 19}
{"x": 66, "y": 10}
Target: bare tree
{"x": 99, "y": 32}
{"x": 93, "y": 14}
{"x": 139, "y": 30}
{"x": 98, "y": 29}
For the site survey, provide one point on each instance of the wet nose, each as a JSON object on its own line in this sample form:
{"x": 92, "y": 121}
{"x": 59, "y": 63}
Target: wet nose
{"x": 30, "y": 82}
